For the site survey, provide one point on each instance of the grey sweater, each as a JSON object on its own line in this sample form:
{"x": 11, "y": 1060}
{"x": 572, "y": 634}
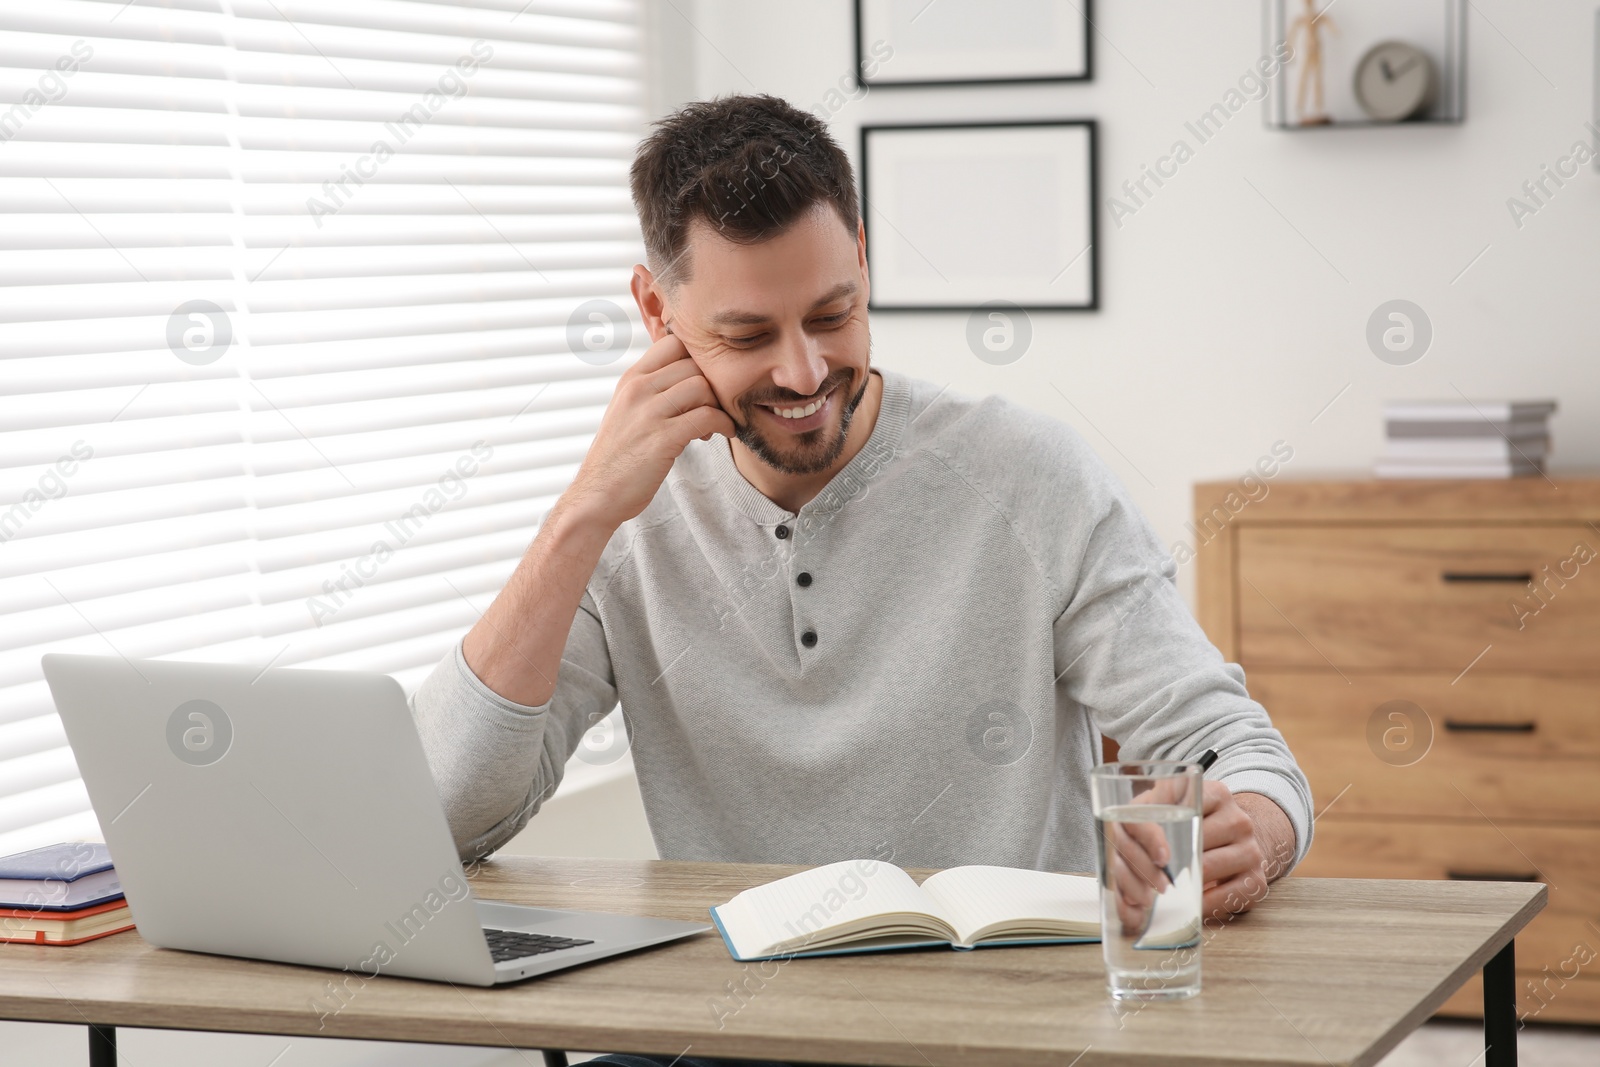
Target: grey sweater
{"x": 917, "y": 664}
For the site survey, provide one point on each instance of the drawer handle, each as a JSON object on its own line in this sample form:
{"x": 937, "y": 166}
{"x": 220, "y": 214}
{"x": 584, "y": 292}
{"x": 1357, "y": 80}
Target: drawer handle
{"x": 1489, "y": 876}
{"x": 1457, "y": 726}
{"x": 1519, "y": 577}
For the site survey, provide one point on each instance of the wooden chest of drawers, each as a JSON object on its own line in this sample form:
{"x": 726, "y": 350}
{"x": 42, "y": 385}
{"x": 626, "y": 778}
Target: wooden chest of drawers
{"x": 1431, "y": 651}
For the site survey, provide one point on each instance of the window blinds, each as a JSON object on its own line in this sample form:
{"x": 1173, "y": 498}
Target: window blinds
{"x": 290, "y": 292}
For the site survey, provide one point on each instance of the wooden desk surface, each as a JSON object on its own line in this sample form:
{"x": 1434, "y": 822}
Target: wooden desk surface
{"x": 1323, "y": 972}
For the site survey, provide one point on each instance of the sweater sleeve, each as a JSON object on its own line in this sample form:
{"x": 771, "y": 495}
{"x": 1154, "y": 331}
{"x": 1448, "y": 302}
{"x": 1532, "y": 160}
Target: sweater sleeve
{"x": 1129, "y": 651}
{"x": 495, "y": 761}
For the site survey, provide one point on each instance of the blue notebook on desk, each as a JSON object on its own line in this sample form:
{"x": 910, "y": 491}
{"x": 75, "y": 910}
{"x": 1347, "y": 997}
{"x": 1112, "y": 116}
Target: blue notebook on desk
{"x": 872, "y": 906}
{"x": 64, "y": 877}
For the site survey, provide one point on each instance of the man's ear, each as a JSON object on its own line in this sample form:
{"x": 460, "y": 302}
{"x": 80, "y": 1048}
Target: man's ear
{"x": 861, "y": 259}
{"x": 651, "y": 300}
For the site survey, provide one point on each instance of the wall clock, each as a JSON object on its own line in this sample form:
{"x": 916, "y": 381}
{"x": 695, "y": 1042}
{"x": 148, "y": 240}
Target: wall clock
{"x": 1395, "y": 81}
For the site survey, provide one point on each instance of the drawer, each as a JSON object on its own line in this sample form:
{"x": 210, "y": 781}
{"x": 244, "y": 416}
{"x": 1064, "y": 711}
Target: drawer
{"x": 1416, "y": 597}
{"x": 1491, "y": 745}
{"x": 1565, "y": 858}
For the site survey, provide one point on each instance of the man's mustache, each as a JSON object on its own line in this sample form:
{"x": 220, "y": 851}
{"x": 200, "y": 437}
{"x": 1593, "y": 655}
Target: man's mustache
{"x": 828, "y": 385}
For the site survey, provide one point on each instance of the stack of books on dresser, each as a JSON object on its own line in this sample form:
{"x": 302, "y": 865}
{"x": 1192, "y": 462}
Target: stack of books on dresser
{"x": 1465, "y": 439}
{"x": 61, "y": 895}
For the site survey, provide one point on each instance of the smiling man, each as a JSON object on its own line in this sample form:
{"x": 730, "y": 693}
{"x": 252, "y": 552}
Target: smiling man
{"x": 847, "y": 612}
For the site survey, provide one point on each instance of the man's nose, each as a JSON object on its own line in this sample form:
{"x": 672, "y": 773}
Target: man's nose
{"x": 801, "y": 368}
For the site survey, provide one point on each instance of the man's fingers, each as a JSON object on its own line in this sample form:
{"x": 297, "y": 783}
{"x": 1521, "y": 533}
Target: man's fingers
{"x": 663, "y": 378}
{"x": 1175, "y": 790}
{"x": 1132, "y": 917}
{"x": 1217, "y": 831}
{"x": 1130, "y": 885}
{"x": 1225, "y": 826}
{"x": 1229, "y": 861}
{"x": 1134, "y": 898}
{"x": 1132, "y": 844}
{"x": 660, "y": 354}
{"x": 1150, "y": 838}
{"x": 703, "y": 421}
{"x": 1233, "y": 896}
{"x": 686, "y": 395}
{"x": 1161, "y": 791}
{"x": 1143, "y": 845}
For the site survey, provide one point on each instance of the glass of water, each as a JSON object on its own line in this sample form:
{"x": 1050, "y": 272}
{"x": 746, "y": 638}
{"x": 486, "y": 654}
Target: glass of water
{"x": 1147, "y": 856}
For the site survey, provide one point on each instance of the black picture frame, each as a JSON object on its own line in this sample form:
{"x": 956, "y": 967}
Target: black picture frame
{"x": 1091, "y": 126}
{"x": 1084, "y": 7}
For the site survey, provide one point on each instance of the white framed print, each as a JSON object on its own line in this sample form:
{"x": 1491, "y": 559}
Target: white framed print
{"x": 966, "y": 42}
{"x": 959, "y": 215}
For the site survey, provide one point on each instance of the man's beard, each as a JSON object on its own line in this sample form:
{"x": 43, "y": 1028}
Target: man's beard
{"x": 811, "y": 455}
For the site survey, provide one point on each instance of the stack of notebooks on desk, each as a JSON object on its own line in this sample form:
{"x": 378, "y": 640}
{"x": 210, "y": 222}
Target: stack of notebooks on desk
{"x": 61, "y": 895}
{"x": 1429, "y": 439}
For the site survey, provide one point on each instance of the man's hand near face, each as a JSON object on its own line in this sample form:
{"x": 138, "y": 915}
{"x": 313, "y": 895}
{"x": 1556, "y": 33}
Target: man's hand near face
{"x": 661, "y": 403}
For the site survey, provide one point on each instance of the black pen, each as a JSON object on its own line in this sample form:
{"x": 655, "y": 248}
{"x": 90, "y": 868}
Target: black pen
{"x": 1207, "y": 758}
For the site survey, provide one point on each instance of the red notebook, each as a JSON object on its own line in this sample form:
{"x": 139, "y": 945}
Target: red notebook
{"x": 65, "y": 927}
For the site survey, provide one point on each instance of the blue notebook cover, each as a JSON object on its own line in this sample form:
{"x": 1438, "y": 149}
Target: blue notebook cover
{"x": 57, "y": 863}
{"x": 851, "y": 950}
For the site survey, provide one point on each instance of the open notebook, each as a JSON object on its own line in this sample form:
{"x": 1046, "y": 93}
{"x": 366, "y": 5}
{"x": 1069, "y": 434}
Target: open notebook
{"x": 870, "y": 906}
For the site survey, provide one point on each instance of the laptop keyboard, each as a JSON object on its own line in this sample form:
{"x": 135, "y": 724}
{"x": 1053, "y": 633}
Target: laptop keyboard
{"x": 514, "y": 945}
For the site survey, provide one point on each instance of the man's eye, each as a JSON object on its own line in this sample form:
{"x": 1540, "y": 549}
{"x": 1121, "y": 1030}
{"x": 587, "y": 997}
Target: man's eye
{"x": 834, "y": 320}
{"x": 746, "y": 341}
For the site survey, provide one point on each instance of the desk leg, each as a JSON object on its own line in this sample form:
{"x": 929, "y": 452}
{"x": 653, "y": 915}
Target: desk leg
{"x": 102, "y": 1046}
{"x": 554, "y": 1058}
{"x": 1500, "y": 1008}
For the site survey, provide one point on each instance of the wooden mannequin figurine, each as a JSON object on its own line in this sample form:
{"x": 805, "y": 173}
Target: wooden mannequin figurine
{"x": 1308, "y": 26}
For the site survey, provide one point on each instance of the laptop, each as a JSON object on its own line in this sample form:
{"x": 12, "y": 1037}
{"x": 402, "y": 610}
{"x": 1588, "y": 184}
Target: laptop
{"x": 290, "y": 815}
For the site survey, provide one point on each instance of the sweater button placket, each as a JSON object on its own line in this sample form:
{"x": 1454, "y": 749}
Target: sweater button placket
{"x": 809, "y": 637}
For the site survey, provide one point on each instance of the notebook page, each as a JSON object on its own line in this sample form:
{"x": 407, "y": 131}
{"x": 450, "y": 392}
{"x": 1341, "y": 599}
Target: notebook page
{"x": 1175, "y": 918}
{"x": 975, "y": 897}
{"x": 823, "y": 897}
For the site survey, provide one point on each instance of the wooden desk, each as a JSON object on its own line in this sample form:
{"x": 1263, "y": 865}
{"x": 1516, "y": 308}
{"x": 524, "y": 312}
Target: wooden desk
{"x": 1323, "y": 972}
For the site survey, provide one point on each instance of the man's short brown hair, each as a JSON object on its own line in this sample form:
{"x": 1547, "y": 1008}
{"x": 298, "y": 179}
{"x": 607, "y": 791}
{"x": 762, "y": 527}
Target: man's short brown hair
{"x": 749, "y": 165}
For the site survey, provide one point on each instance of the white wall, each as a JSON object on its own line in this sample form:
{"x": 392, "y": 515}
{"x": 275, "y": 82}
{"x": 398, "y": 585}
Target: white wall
{"x": 1224, "y": 329}
{"x": 592, "y": 814}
